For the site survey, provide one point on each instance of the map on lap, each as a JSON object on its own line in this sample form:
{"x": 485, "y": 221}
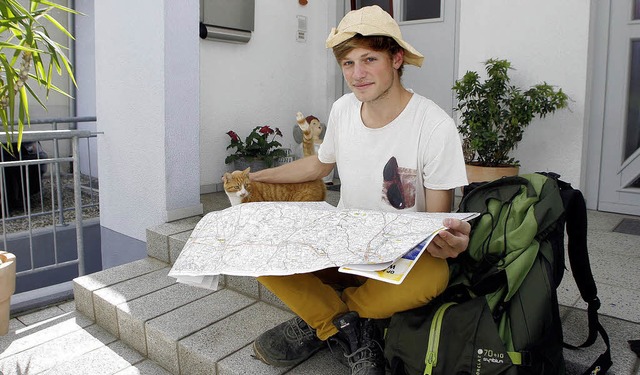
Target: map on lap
{"x": 283, "y": 238}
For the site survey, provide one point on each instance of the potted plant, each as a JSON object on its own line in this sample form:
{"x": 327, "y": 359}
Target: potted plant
{"x": 259, "y": 150}
{"x": 494, "y": 115}
{"x": 28, "y": 52}
{"x": 7, "y": 287}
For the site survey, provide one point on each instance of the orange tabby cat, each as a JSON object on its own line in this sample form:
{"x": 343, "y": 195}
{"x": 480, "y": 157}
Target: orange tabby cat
{"x": 240, "y": 189}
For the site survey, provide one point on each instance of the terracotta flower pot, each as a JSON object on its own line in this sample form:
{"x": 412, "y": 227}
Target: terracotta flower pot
{"x": 7, "y": 287}
{"x": 476, "y": 173}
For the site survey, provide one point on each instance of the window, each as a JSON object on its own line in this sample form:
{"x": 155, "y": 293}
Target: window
{"x": 406, "y": 10}
{"x": 636, "y": 10}
{"x": 633, "y": 106}
{"x": 384, "y": 4}
{"x": 413, "y": 10}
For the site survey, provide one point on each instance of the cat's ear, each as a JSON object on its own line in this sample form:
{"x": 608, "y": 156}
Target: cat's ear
{"x": 225, "y": 177}
{"x": 246, "y": 171}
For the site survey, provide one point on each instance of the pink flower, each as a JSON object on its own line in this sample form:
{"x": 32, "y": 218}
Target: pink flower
{"x": 265, "y": 130}
{"x": 233, "y": 135}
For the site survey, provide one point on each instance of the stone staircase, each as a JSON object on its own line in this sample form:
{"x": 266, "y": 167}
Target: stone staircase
{"x": 187, "y": 330}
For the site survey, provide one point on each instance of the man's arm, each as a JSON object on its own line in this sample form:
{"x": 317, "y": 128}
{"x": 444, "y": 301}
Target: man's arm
{"x": 451, "y": 242}
{"x": 306, "y": 169}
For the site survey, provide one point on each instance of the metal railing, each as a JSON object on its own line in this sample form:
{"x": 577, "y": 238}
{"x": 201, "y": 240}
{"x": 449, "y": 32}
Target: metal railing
{"x": 27, "y": 175}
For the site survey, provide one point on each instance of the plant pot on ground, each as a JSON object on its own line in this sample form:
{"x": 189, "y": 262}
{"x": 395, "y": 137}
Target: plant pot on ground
{"x": 494, "y": 114}
{"x": 7, "y": 287}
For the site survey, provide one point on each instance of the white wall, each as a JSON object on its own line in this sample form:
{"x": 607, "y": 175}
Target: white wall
{"x": 85, "y": 73}
{"x": 147, "y": 106}
{"x": 545, "y": 40}
{"x": 266, "y": 81}
{"x": 57, "y": 105}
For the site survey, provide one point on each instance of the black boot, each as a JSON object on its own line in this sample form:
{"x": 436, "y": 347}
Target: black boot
{"x": 287, "y": 344}
{"x": 361, "y": 344}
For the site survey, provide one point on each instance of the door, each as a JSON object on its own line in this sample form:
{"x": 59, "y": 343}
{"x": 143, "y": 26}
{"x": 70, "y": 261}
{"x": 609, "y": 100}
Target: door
{"x": 430, "y": 26}
{"x": 620, "y": 165}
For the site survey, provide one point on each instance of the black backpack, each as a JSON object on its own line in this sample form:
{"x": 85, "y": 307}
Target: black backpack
{"x": 500, "y": 313}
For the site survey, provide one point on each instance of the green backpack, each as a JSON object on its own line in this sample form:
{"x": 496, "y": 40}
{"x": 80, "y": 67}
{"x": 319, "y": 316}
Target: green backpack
{"x": 500, "y": 313}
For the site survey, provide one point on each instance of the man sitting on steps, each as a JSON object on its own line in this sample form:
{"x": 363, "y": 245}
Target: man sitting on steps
{"x": 394, "y": 150}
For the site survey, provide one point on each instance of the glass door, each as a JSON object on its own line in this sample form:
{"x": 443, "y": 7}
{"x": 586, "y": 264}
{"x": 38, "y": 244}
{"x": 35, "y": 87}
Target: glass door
{"x": 620, "y": 169}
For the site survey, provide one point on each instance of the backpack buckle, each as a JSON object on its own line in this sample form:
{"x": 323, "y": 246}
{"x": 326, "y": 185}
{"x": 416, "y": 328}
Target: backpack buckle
{"x": 499, "y": 310}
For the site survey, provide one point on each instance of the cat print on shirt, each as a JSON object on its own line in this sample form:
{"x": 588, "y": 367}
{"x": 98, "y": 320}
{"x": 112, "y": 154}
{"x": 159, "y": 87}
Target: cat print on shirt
{"x": 399, "y": 185}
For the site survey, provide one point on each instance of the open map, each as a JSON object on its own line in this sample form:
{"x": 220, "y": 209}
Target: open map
{"x": 282, "y": 238}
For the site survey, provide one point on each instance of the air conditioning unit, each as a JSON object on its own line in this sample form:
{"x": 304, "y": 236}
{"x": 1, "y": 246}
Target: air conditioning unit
{"x": 227, "y": 20}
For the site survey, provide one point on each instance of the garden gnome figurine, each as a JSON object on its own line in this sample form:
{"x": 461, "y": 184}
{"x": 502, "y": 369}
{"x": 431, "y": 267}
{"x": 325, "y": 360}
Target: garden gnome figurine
{"x": 311, "y": 133}
{"x": 7, "y": 287}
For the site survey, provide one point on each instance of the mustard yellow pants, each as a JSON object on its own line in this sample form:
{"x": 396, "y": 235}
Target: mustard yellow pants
{"x": 313, "y": 296}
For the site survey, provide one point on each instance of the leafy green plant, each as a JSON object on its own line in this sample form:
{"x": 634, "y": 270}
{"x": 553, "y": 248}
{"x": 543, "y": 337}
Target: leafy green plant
{"x": 494, "y": 113}
{"x": 257, "y": 145}
{"x": 27, "y": 51}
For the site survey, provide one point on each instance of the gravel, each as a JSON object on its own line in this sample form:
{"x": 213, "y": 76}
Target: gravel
{"x": 41, "y": 207}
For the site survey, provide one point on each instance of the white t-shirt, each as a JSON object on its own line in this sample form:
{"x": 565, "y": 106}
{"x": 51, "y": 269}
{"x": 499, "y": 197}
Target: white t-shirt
{"x": 389, "y": 167}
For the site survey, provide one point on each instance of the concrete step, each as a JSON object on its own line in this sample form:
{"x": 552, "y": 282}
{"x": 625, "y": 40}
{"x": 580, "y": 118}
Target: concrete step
{"x": 184, "y": 329}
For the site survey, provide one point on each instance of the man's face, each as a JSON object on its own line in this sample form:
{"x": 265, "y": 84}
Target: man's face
{"x": 370, "y": 74}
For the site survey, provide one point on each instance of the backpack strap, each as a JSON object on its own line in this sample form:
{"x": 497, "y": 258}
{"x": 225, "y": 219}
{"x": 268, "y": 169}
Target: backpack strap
{"x": 576, "y": 225}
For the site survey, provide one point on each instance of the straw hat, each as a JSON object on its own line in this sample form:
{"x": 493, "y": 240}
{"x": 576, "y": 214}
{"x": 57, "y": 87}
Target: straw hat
{"x": 368, "y": 21}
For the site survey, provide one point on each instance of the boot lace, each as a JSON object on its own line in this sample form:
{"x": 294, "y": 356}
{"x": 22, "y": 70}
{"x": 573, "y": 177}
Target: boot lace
{"x": 365, "y": 358}
{"x": 299, "y": 331}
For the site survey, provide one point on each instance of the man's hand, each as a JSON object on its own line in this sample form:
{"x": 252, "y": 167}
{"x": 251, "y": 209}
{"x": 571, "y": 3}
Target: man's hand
{"x": 451, "y": 242}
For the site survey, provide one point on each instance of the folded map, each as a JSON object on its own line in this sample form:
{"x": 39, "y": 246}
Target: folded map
{"x": 283, "y": 238}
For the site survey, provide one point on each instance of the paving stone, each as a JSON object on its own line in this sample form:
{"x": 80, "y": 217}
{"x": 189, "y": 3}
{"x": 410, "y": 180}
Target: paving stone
{"x": 105, "y": 300}
{"x": 68, "y": 306}
{"x": 322, "y": 363}
{"x": 576, "y": 330}
{"x": 133, "y": 315}
{"x": 84, "y": 286}
{"x": 104, "y": 360}
{"x": 164, "y": 332}
{"x": 40, "y": 315}
{"x": 242, "y": 362}
{"x": 147, "y": 367}
{"x": 57, "y": 351}
{"x": 21, "y": 338}
{"x": 199, "y": 352}
{"x": 615, "y": 269}
{"x": 618, "y": 302}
